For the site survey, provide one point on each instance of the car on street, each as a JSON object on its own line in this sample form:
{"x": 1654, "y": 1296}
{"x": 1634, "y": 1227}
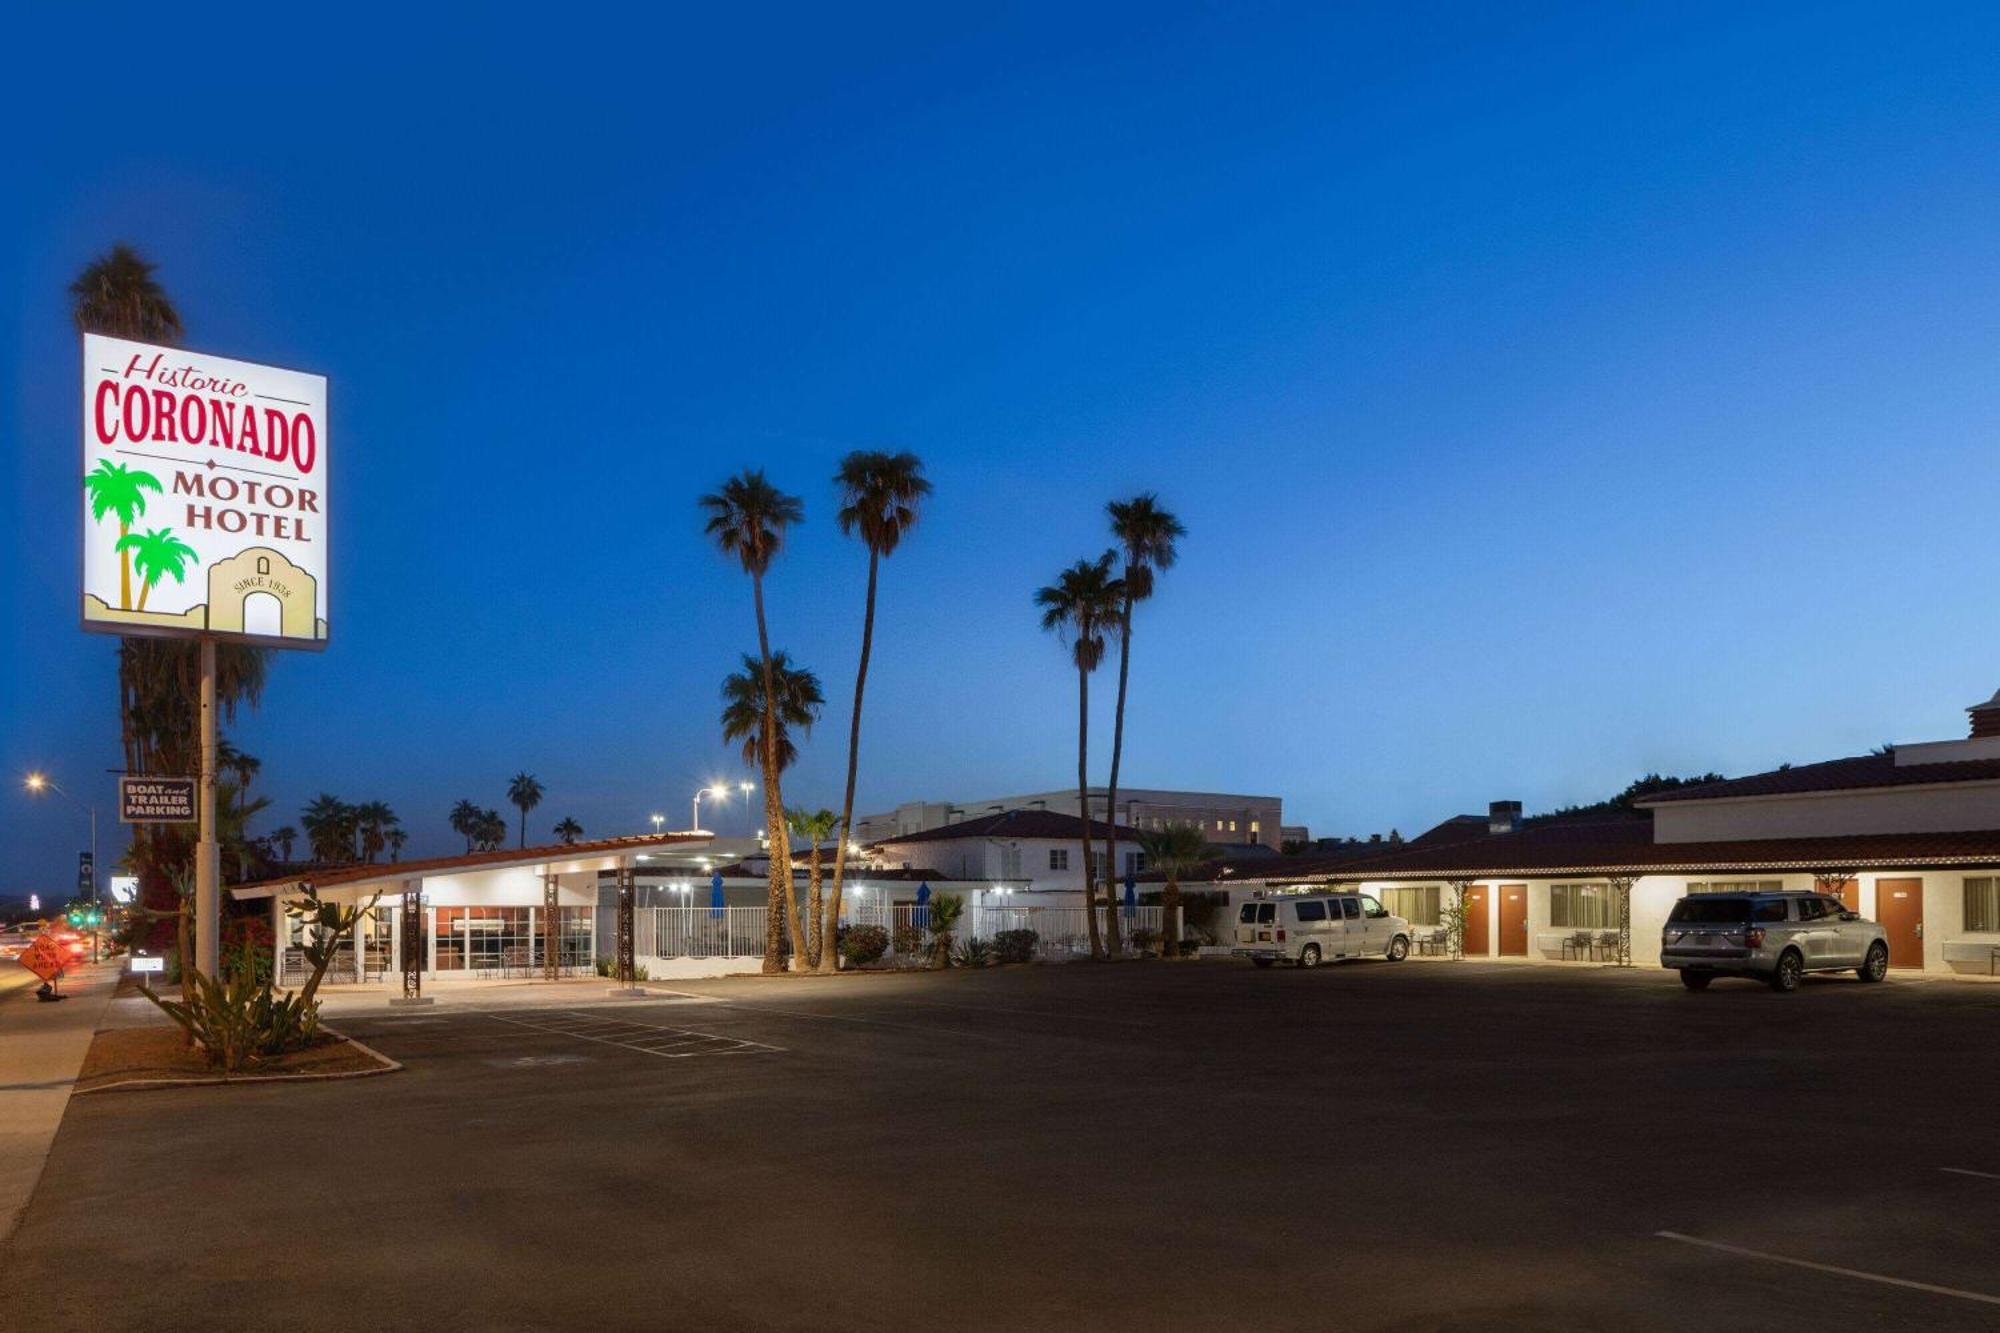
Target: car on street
{"x": 1308, "y": 930}
{"x": 1774, "y": 937}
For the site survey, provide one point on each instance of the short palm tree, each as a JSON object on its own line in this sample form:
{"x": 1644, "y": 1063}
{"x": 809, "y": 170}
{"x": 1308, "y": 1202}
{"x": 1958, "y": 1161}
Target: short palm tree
{"x": 1146, "y": 535}
{"x": 748, "y": 517}
{"x": 116, "y": 489}
{"x": 330, "y": 824}
{"x": 568, "y": 831}
{"x": 881, "y": 496}
{"x": 525, "y": 793}
{"x": 155, "y": 554}
{"x": 396, "y": 838}
{"x": 374, "y": 821}
{"x": 282, "y": 838}
{"x": 744, "y": 719}
{"x": 465, "y": 821}
{"x": 1173, "y": 851}
{"x": 1079, "y": 606}
{"x": 815, "y": 827}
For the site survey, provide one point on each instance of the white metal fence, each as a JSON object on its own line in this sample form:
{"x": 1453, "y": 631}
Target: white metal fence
{"x": 699, "y": 932}
{"x": 738, "y": 932}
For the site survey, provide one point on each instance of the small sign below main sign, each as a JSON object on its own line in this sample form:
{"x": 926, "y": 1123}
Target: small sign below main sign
{"x": 148, "y": 965}
{"x": 155, "y": 800}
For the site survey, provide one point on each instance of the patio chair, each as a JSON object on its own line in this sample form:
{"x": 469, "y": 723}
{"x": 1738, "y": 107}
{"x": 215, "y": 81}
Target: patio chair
{"x": 1578, "y": 945}
{"x": 1607, "y": 943}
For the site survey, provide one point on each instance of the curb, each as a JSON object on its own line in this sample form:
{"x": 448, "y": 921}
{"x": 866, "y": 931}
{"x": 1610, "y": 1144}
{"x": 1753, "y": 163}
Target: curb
{"x": 384, "y": 1066}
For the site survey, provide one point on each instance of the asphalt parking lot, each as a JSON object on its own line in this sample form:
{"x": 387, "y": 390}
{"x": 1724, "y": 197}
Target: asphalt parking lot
{"x": 1428, "y": 1145}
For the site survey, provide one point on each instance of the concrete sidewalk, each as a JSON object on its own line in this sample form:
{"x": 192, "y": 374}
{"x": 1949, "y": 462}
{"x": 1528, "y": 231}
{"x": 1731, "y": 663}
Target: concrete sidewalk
{"x": 41, "y": 1051}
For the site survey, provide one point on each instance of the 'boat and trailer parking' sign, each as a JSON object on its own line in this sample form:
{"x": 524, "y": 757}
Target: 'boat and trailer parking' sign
{"x": 155, "y": 800}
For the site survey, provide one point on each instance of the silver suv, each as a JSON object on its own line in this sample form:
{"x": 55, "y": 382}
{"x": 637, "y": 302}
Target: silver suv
{"x": 1776, "y": 936}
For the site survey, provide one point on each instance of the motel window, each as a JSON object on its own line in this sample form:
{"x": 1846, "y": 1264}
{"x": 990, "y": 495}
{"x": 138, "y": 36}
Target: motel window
{"x": 1135, "y": 863}
{"x": 1982, "y": 904}
{"x": 1418, "y": 904}
{"x": 1738, "y": 886}
{"x": 1059, "y": 858}
{"x": 1582, "y": 906}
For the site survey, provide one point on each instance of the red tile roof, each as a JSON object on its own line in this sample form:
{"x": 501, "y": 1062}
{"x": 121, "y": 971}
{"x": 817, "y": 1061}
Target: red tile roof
{"x": 1863, "y": 770}
{"x": 330, "y": 876}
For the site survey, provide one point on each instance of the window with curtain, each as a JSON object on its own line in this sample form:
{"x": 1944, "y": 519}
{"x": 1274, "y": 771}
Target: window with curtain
{"x": 1417, "y": 903}
{"x": 1982, "y": 904}
{"x": 1582, "y": 906}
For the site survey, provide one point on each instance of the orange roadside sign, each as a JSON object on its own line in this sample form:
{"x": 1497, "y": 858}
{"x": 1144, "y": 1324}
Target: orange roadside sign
{"x": 44, "y": 958}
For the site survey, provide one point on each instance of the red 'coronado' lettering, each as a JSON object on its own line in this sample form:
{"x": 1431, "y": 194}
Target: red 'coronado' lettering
{"x": 199, "y": 409}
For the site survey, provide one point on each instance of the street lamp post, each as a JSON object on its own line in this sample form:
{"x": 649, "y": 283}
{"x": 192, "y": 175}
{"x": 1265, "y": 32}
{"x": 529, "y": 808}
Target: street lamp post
{"x": 38, "y": 783}
{"x": 718, "y": 790}
{"x": 657, "y": 821}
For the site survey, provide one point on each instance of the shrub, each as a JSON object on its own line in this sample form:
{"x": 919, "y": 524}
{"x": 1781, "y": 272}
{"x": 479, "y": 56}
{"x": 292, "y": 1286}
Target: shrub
{"x": 972, "y": 952}
{"x": 909, "y": 940}
{"x": 1015, "y": 946}
{"x": 1146, "y": 940}
{"x": 861, "y": 945}
{"x": 608, "y": 967}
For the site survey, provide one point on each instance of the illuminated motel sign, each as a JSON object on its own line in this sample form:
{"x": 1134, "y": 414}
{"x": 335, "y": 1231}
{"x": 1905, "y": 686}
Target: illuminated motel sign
{"x": 204, "y": 496}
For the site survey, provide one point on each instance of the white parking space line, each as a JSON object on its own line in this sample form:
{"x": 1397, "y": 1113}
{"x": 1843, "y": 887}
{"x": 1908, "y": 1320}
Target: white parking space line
{"x": 645, "y": 1038}
{"x": 1961, "y": 1171}
{"x": 1882, "y": 1278}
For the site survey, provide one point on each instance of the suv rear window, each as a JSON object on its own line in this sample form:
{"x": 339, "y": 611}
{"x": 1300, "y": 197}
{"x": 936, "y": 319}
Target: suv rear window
{"x": 1711, "y": 909}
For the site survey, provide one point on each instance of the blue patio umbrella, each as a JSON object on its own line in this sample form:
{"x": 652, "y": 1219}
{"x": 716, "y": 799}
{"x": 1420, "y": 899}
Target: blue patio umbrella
{"x": 715, "y": 894}
{"x": 922, "y": 916}
{"x": 1131, "y": 895}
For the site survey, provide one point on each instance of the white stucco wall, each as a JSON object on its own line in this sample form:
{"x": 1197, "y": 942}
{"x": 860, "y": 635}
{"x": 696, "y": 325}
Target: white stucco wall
{"x": 980, "y": 858}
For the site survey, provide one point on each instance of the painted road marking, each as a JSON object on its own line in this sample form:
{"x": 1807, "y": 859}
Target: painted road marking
{"x": 1961, "y": 1171}
{"x": 645, "y": 1038}
{"x": 1887, "y": 1281}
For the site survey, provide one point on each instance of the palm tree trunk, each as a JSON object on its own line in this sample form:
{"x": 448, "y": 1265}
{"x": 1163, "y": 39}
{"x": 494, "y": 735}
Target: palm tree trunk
{"x": 124, "y": 571}
{"x": 815, "y": 935}
{"x": 1170, "y": 917}
{"x": 780, "y": 898}
{"x": 1083, "y": 804}
{"x": 830, "y": 959}
{"x": 145, "y": 590}
{"x": 524, "y": 827}
{"x": 1117, "y": 752}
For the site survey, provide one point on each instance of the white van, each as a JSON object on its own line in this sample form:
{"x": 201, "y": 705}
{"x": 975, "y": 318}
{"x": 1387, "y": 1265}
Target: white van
{"x": 1310, "y": 930}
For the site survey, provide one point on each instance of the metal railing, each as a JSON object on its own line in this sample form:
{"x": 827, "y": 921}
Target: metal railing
{"x": 699, "y": 932}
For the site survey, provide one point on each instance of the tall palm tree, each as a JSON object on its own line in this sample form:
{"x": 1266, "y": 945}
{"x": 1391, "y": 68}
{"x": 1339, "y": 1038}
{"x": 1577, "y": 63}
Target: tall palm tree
{"x": 1146, "y": 535}
{"x": 526, "y": 793}
{"x": 489, "y": 830}
{"x": 117, "y": 489}
{"x": 815, "y": 827}
{"x": 116, "y": 295}
{"x": 1079, "y": 606}
{"x": 1173, "y": 851}
{"x": 465, "y": 821}
{"x": 747, "y": 519}
{"x": 746, "y": 712}
{"x": 283, "y": 838}
{"x": 246, "y": 766}
{"x": 568, "y": 831}
{"x": 373, "y": 821}
{"x": 881, "y": 495}
{"x": 154, "y": 554}
{"x": 396, "y": 838}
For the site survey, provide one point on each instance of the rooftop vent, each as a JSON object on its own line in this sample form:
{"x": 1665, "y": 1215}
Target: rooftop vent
{"x": 1986, "y": 717}
{"x": 1503, "y": 816}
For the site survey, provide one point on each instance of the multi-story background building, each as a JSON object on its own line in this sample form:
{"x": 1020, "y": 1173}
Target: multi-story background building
{"x": 1229, "y": 820}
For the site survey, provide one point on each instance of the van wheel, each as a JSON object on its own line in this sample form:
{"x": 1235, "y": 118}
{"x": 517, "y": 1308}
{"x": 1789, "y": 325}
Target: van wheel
{"x": 1876, "y": 965}
{"x": 1399, "y": 949}
{"x": 1262, "y": 962}
{"x": 1696, "y": 980}
{"x": 1309, "y": 956}
{"x": 1791, "y": 967}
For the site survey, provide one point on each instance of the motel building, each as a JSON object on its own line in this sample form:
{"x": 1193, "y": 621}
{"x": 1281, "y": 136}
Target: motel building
{"x": 1909, "y": 838}
{"x": 698, "y": 902}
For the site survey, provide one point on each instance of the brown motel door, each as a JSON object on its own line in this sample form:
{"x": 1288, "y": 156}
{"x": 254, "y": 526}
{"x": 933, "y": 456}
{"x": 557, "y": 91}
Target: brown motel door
{"x": 1513, "y": 921}
{"x": 1899, "y": 906}
{"x": 1850, "y": 893}
{"x": 1475, "y": 921}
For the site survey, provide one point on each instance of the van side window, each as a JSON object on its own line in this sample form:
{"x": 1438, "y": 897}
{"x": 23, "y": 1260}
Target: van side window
{"x": 1350, "y": 909}
{"x": 1312, "y": 911}
{"x": 1266, "y": 913}
{"x": 1248, "y": 916}
{"x": 1372, "y": 909}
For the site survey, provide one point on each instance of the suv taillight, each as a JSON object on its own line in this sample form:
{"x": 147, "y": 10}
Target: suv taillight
{"x": 1281, "y": 935}
{"x": 1754, "y": 937}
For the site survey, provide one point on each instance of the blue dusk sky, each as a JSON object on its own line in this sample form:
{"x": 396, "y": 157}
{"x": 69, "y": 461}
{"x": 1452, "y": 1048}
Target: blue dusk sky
{"x": 1552, "y": 393}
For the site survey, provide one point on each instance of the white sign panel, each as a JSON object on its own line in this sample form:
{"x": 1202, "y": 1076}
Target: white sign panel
{"x": 124, "y": 889}
{"x": 144, "y": 965}
{"x": 204, "y": 496}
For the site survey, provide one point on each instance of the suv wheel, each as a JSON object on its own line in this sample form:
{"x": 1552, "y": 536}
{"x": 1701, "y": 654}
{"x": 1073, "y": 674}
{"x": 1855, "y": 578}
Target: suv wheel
{"x": 1399, "y": 949}
{"x": 1791, "y": 967}
{"x": 1309, "y": 956}
{"x": 1696, "y": 980}
{"x": 1876, "y": 965}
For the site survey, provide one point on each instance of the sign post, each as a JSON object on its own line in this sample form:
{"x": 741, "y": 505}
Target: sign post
{"x": 231, "y": 457}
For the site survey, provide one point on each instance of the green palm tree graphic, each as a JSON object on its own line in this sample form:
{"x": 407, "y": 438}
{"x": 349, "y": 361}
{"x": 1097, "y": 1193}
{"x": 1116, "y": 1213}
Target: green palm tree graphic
{"x": 156, "y": 554}
{"x": 116, "y": 489}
